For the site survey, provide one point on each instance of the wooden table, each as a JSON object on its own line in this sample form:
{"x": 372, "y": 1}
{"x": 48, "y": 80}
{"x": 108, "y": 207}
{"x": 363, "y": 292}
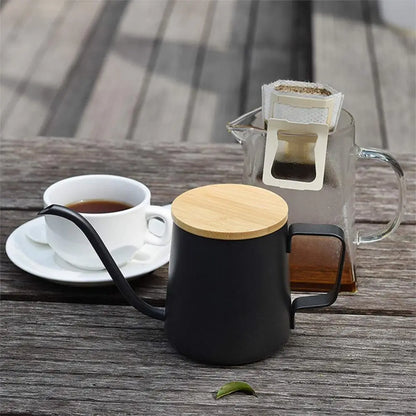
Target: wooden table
{"x": 83, "y": 351}
{"x": 205, "y": 57}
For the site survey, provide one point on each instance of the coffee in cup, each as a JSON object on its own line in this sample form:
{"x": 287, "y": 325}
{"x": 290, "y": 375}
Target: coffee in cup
{"x": 118, "y": 208}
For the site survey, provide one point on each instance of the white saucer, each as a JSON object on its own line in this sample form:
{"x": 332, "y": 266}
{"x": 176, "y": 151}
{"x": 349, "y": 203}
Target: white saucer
{"x": 40, "y": 260}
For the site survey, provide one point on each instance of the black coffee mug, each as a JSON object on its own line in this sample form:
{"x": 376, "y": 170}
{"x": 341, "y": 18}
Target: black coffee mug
{"x": 228, "y": 297}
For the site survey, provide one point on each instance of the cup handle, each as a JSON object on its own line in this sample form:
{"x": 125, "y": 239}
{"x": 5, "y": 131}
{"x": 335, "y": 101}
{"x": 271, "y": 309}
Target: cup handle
{"x": 163, "y": 214}
{"x": 323, "y": 299}
{"x": 377, "y": 154}
{"x": 113, "y": 270}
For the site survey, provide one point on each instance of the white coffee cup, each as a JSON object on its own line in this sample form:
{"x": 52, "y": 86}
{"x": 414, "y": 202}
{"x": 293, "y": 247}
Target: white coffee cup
{"x": 123, "y": 232}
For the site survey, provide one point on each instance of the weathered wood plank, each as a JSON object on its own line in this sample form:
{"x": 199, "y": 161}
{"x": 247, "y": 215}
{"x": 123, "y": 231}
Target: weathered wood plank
{"x": 69, "y": 105}
{"x": 82, "y": 359}
{"x": 16, "y": 284}
{"x": 343, "y": 61}
{"x": 376, "y": 196}
{"x": 217, "y": 100}
{"x": 12, "y": 15}
{"x": 161, "y": 113}
{"x": 122, "y": 77}
{"x": 395, "y": 53}
{"x": 301, "y": 61}
{"x": 34, "y": 101}
{"x": 20, "y": 54}
{"x": 169, "y": 170}
{"x": 385, "y": 270}
{"x": 271, "y": 49}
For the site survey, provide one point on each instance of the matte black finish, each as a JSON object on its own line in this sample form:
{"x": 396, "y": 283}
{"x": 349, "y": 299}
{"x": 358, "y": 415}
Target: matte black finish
{"x": 228, "y": 301}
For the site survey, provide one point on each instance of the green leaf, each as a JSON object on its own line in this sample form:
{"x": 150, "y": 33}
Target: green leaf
{"x": 233, "y": 387}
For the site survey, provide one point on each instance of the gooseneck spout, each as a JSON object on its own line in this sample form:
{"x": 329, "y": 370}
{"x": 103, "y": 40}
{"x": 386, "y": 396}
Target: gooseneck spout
{"x": 108, "y": 261}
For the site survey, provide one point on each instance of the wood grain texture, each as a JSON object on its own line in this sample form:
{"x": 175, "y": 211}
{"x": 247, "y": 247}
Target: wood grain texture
{"x": 74, "y": 94}
{"x": 344, "y": 63}
{"x": 112, "y": 103}
{"x": 395, "y": 55}
{"x": 24, "y": 177}
{"x": 73, "y": 351}
{"x": 271, "y": 46}
{"x": 80, "y": 359}
{"x": 170, "y": 170}
{"x": 385, "y": 270}
{"x": 229, "y": 211}
{"x": 16, "y": 284}
{"x": 377, "y": 195}
{"x": 217, "y": 98}
{"x": 20, "y": 54}
{"x": 164, "y": 107}
{"x": 34, "y": 101}
{"x": 13, "y": 13}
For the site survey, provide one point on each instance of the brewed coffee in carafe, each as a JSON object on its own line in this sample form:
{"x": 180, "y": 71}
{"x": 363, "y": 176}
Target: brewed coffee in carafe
{"x": 294, "y": 158}
{"x": 300, "y": 144}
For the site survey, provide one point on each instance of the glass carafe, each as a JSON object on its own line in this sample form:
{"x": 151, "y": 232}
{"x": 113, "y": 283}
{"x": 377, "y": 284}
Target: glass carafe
{"x": 332, "y": 204}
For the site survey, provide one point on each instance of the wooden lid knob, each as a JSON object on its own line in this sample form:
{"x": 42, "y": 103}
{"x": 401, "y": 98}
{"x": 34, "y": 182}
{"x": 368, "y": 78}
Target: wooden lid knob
{"x": 229, "y": 211}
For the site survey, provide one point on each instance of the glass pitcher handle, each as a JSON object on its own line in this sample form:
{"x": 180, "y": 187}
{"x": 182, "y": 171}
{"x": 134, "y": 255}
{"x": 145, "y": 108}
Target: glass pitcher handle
{"x": 377, "y": 154}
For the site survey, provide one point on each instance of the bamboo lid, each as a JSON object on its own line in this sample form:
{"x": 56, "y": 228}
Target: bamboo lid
{"x": 229, "y": 211}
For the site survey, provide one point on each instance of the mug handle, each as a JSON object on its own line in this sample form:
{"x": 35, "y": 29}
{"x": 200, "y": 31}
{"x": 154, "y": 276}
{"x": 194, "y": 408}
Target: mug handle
{"x": 377, "y": 154}
{"x": 323, "y": 299}
{"x": 153, "y": 211}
